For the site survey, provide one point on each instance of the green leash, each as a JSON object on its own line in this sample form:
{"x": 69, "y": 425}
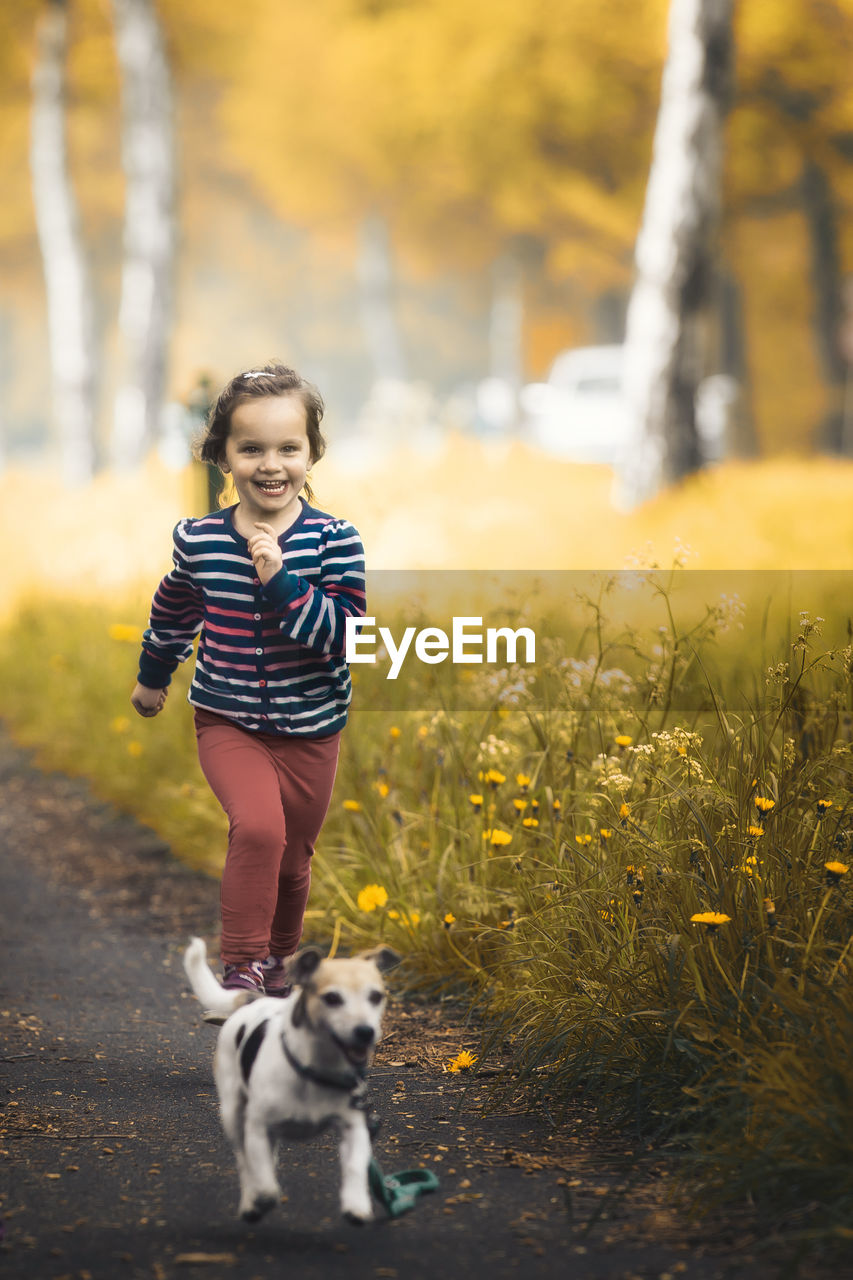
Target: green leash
{"x": 399, "y": 1192}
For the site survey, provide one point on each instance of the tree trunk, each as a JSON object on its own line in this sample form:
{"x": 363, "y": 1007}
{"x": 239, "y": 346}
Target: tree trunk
{"x": 149, "y": 230}
{"x": 376, "y": 283}
{"x": 822, "y": 222}
{"x": 68, "y": 287}
{"x": 506, "y": 321}
{"x": 669, "y": 321}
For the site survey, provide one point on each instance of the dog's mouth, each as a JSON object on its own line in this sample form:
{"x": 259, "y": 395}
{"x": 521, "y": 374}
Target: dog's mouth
{"x": 357, "y": 1055}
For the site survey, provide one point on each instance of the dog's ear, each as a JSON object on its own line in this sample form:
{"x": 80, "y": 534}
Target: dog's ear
{"x": 383, "y": 957}
{"x": 303, "y": 966}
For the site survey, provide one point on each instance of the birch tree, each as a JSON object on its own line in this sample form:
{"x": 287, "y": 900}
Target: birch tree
{"x": 145, "y": 308}
{"x": 667, "y": 328}
{"x": 67, "y": 280}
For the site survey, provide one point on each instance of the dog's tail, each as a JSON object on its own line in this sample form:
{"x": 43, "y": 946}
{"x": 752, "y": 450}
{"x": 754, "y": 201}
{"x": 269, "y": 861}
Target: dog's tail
{"x": 215, "y": 999}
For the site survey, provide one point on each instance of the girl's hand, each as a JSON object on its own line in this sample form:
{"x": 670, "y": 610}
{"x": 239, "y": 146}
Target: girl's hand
{"x": 148, "y": 702}
{"x": 265, "y": 552}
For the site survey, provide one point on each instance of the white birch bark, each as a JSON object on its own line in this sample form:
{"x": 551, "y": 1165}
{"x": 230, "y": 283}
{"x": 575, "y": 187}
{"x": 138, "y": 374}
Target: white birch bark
{"x": 67, "y": 282}
{"x": 376, "y": 295}
{"x": 145, "y": 309}
{"x": 664, "y": 359}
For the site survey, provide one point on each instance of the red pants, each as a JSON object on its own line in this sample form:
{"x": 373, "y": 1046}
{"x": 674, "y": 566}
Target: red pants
{"x": 276, "y": 792}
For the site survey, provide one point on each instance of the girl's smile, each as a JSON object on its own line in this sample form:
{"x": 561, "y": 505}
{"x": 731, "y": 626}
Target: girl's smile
{"x": 267, "y": 454}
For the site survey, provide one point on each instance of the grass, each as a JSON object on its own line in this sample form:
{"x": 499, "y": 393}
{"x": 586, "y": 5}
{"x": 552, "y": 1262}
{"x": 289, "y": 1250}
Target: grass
{"x": 632, "y": 856}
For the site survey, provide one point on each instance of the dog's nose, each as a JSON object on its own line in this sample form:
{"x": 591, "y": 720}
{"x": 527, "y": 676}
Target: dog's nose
{"x": 363, "y": 1035}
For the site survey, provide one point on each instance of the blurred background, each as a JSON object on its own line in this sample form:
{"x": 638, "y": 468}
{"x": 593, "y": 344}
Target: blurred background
{"x": 574, "y": 276}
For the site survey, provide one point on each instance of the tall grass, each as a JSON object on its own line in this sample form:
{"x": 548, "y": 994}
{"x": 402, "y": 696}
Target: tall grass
{"x": 631, "y": 856}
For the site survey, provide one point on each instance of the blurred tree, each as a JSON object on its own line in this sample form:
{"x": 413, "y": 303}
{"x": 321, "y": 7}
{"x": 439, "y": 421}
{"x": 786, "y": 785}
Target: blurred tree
{"x": 792, "y": 150}
{"x": 67, "y": 277}
{"x": 145, "y": 309}
{"x": 668, "y": 325}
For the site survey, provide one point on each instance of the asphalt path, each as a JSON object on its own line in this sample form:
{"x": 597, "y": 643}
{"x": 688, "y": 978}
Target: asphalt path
{"x": 113, "y": 1162}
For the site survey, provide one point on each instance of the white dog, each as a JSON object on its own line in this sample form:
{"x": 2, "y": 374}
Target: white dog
{"x": 292, "y": 1067}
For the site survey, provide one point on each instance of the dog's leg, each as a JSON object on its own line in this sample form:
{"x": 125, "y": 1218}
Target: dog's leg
{"x": 260, "y": 1191}
{"x": 355, "y": 1155}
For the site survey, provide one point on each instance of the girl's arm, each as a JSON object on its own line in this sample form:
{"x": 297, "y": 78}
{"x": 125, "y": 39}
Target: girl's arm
{"x": 177, "y": 612}
{"x": 316, "y": 616}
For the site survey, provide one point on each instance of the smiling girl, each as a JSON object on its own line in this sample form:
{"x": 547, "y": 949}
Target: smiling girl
{"x": 269, "y": 584}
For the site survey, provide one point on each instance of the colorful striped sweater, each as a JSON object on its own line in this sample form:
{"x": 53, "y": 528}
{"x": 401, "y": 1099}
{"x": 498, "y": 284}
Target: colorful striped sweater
{"x": 269, "y": 657}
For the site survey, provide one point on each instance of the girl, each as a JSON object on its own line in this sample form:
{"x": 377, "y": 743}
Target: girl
{"x": 269, "y": 583}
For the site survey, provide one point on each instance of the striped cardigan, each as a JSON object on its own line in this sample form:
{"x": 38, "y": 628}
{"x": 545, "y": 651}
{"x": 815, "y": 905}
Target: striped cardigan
{"x": 269, "y": 657}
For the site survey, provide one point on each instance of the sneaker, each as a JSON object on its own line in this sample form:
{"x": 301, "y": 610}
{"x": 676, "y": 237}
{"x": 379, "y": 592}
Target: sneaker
{"x": 275, "y": 977}
{"x": 248, "y": 976}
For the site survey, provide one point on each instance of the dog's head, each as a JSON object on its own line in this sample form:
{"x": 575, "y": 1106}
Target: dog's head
{"x": 343, "y": 999}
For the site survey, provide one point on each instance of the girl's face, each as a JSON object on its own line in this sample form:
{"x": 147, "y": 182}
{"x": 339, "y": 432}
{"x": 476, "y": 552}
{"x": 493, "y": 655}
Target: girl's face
{"x": 267, "y": 454}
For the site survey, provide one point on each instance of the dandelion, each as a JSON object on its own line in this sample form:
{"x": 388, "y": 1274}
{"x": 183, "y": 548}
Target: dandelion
{"x": 496, "y": 836}
{"x": 835, "y": 870}
{"x": 764, "y": 804}
{"x": 604, "y": 834}
{"x": 522, "y": 780}
{"x": 755, "y": 832}
{"x": 710, "y": 919}
{"x": 519, "y": 804}
{"x": 371, "y": 897}
{"x": 120, "y": 724}
{"x": 449, "y": 919}
{"x": 583, "y": 839}
{"x": 463, "y": 1061}
{"x": 557, "y": 810}
{"x": 624, "y": 812}
{"x": 394, "y": 732}
{"x": 822, "y": 806}
{"x": 476, "y": 801}
{"x": 382, "y": 788}
{"x": 352, "y": 806}
{"x": 124, "y": 633}
{"x": 493, "y": 777}
{"x": 530, "y": 822}
{"x": 623, "y": 740}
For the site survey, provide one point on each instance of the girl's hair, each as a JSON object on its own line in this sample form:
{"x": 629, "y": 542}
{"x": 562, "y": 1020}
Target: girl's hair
{"x": 271, "y": 380}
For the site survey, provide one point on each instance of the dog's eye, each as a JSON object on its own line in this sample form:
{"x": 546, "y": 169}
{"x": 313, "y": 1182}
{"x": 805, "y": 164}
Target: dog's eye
{"x": 333, "y": 999}
{"x": 376, "y": 997}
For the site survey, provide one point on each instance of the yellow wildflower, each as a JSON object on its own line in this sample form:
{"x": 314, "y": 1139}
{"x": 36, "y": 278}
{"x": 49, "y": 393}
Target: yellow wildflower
{"x": 623, "y": 740}
{"x": 382, "y": 788}
{"x": 371, "y": 897}
{"x": 624, "y": 811}
{"x": 822, "y": 806}
{"x": 605, "y": 833}
{"x": 519, "y": 804}
{"x": 449, "y": 919}
{"x": 462, "y": 1062}
{"x": 764, "y": 803}
{"x": 530, "y": 822}
{"x": 135, "y": 748}
{"x": 120, "y": 724}
{"x": 476, "y": 801}
{"x": 583, "y": 839}
{"x": 493, "y": 777}
{"x": 711, "y": 919}
{"x": 835, "y": 870}
{"x": 394, "y": 732}
{"x": 523, "y": 780}
{"x": 496, "y": 836}
{"x": 352, "y": 806}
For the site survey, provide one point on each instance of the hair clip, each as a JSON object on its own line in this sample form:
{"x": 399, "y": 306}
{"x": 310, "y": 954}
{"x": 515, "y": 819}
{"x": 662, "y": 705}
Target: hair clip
{"x": 256, "y": 373}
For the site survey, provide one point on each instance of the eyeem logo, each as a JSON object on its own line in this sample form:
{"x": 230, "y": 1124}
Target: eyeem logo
{"x": 432, "y": 645}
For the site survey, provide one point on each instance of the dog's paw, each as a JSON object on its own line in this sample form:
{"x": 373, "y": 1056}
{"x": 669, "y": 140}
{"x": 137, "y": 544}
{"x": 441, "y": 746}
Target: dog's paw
{"x": 357, "y": 1210}
{"x": 259, "y": 1205}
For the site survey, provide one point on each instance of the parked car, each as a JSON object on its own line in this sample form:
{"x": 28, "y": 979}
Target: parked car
{"x": 579, "y": 412}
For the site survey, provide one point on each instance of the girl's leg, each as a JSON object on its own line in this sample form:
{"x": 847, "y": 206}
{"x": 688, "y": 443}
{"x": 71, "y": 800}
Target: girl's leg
{"x": 306, "y": 771}
{"x": 243, "y": 776}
